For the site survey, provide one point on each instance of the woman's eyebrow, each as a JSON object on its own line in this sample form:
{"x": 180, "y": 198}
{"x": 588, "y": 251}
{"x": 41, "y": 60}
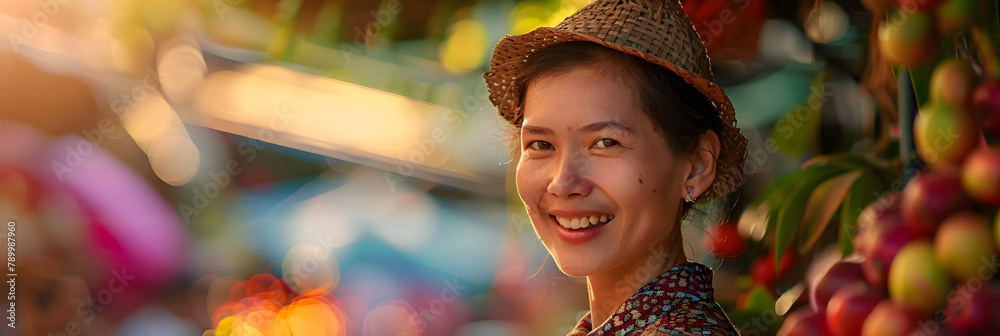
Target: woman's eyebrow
{"x": 600, "y": 125}
{"x": 537, "y": 130}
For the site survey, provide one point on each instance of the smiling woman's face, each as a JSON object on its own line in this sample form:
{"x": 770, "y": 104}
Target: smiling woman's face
{"x": 598, "y": 181}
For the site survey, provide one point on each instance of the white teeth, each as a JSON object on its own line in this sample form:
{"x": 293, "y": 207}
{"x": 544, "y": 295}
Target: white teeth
{"x": 583, "y": 222}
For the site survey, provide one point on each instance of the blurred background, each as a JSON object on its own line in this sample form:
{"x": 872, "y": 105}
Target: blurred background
{"x": 334, "y": 167}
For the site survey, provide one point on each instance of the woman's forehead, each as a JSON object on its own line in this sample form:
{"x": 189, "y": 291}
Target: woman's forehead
{"x": 581, "y": 96}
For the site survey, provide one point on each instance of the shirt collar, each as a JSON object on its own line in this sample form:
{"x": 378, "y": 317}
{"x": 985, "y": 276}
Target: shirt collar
{"x": 690, "y": 281}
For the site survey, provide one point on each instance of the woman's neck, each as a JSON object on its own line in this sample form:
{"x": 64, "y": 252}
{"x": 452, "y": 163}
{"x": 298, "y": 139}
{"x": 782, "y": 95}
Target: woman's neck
{"x": 610, "y": 289}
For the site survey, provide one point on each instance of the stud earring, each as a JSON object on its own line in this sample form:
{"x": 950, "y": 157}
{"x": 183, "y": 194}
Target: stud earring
{"x": 690, "y": 196}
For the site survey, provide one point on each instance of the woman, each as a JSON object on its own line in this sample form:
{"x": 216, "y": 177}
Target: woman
{"x": 621, "y": 131}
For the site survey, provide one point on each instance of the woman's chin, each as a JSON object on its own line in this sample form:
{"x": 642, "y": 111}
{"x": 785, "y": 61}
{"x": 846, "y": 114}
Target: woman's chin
{"x": 576, "y": 266}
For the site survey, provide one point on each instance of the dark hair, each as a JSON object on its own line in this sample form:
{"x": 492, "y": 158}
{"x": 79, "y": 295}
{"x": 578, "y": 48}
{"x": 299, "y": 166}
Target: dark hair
{"x": 678, "y": 111}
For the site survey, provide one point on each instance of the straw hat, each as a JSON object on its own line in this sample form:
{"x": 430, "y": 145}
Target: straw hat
{"x": 656, "y": 30}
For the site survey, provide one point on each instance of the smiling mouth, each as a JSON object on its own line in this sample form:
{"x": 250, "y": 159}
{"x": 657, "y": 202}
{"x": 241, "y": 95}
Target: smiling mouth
{"x": 583, "y": 222}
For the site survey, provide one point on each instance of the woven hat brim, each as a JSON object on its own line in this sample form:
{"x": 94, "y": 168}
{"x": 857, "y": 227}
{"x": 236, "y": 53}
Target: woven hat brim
{"x": 512, "y": 52}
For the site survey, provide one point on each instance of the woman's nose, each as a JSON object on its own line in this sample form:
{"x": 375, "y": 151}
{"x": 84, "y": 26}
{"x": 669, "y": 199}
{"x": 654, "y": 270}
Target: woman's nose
{"x": 569, "y": 177}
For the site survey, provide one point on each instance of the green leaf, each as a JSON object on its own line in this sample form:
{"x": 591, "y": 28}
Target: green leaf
{"x": 789, "y": 216}
{"x": 776, "y": 199}
{"x": 846, "y": 160}
{"x": 864, "y": 191}
{"x": 775, "y": 194}
{"x": 772, "y": 190}
{"x": 795, "y": 132}
{"x": 823, "y": 203}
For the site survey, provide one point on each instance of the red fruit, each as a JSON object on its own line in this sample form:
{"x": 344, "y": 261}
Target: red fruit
{"x": 909, "y": 39}
{"x": 805, "y": 322}
{"x": 981, "y": 175}
{"x": 925, "y": 6}
{"x": 986, "y": 105}
{"x": 974, "y": 311}
{"x": 762, "y": 270}
{"x": 842, "y": 275}
{"x": 931, "y": 197}
{"x": 889, "y": 242}
{"x": 945, "y": 135}
{"x": 849, "y": 307}
{"x": 890, "y": 319}
{"x": 877, "y": 217}
{"x": 724, "y": 239}
{"x": 952, "y": 82}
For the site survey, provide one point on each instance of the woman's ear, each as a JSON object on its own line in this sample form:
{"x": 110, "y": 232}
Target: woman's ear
{"x": 703, "y": 164}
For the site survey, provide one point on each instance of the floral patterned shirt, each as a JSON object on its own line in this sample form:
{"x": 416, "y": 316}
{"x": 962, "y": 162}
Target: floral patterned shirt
{"x": 678, "y": 302}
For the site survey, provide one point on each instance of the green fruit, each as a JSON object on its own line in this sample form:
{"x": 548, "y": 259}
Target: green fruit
{"x": 755, "y": 299}
{"x": 945, "y": 135}
{"x": 953, "y": 82}
{"x": 909, "y": 39}
{"x": 957, "y": 15}
{"x": 962, "y": 243}
{"x": 917, "y": 281}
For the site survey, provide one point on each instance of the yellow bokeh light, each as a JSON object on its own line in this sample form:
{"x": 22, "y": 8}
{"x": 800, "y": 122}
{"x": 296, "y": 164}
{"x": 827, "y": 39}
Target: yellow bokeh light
{"x": 152, "y": 119}
{"x": 175, "y": 159}
{"x": 312, "y": 316}
{"x": 465, "y": 47}
{"x": 181, "y": 70}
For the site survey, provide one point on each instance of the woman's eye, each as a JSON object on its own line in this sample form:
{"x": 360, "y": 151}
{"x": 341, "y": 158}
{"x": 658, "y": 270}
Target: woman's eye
{"x": 540, "y": 145}
{"x": 605, "y": 143}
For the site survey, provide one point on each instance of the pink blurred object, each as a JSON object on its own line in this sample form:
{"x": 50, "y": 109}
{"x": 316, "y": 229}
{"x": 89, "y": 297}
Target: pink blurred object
{"x": 134, "y": 231}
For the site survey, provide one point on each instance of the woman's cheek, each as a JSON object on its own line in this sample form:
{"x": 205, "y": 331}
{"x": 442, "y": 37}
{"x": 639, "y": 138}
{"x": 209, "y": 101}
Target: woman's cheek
{"x": 526, "y": 181}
